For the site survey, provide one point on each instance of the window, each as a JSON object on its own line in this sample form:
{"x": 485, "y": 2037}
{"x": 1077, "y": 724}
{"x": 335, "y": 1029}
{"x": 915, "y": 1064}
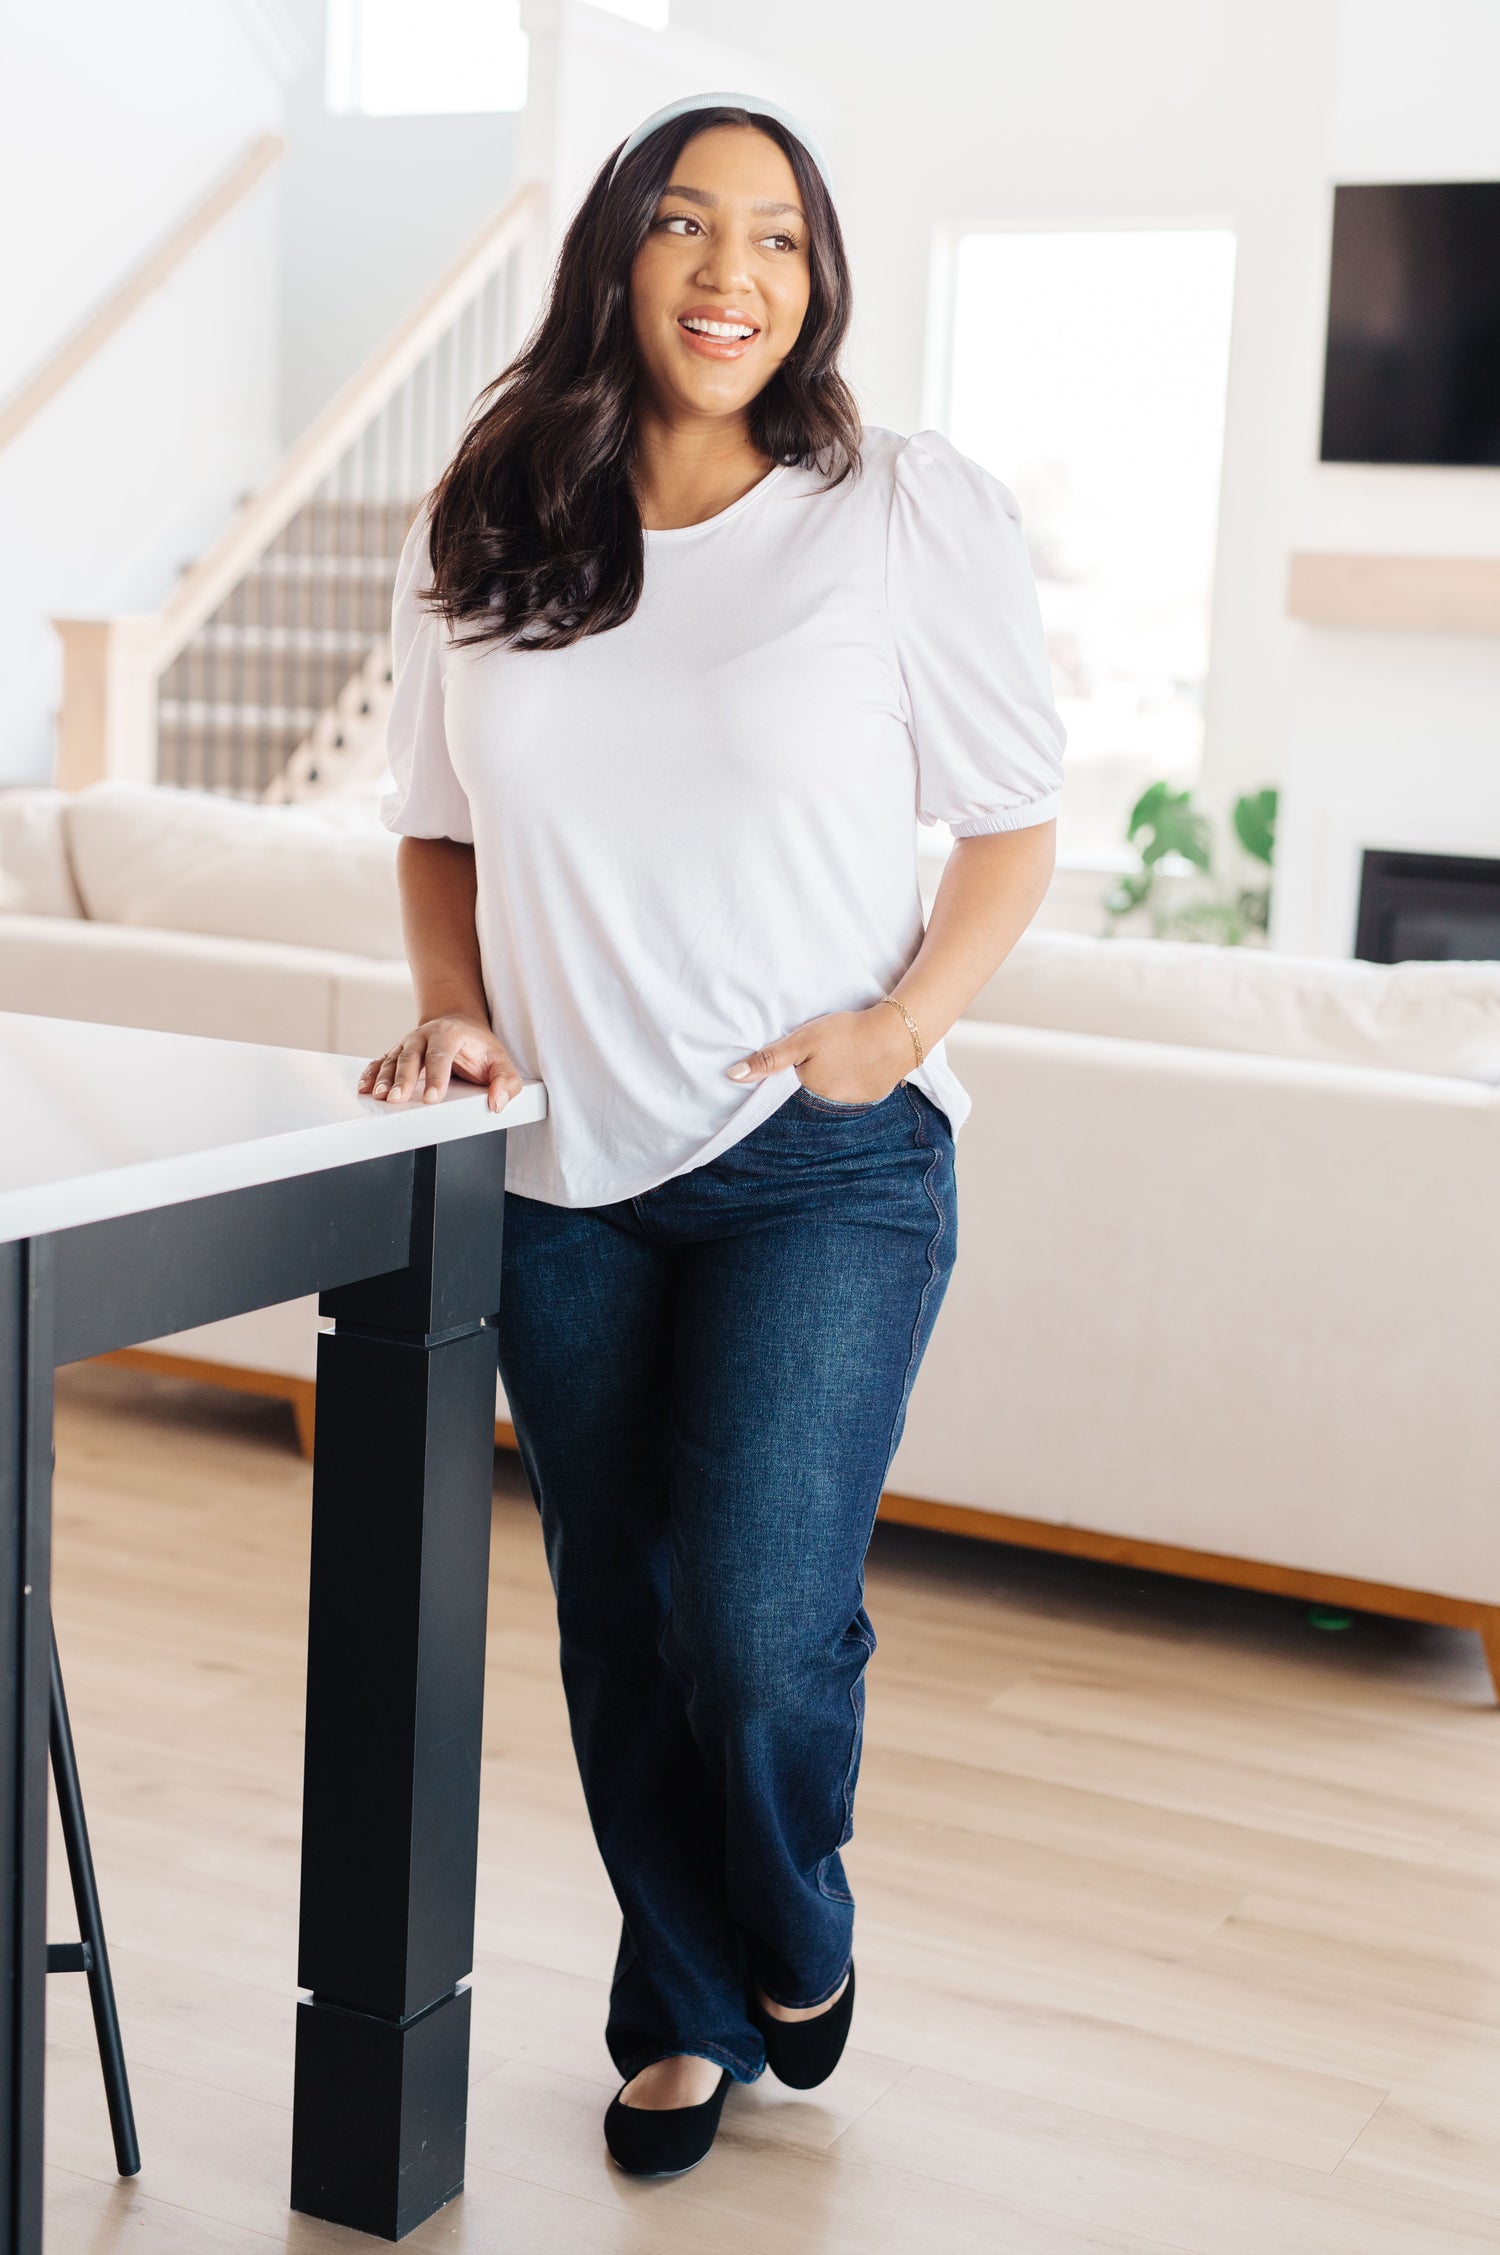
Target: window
{"x": 1088, "y": 371}
{"x": 410, "y": 58}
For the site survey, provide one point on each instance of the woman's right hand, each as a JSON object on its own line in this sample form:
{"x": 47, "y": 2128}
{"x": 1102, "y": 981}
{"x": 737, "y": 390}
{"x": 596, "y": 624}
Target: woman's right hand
{"x": 434, "y": 1051}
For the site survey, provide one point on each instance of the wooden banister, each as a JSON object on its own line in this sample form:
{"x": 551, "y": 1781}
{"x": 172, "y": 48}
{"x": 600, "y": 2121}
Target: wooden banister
{"x": 111, "y": 667}
{"x": 302, "y": 469}
{"x": 77, "y": 350}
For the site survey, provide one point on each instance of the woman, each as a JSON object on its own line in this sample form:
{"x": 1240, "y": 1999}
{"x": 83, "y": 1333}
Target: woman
{"x": 682, "y": 654}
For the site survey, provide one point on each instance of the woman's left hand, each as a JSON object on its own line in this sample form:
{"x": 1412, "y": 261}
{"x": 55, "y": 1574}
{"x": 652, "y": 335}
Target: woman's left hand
{"x": 850, "y": 1056}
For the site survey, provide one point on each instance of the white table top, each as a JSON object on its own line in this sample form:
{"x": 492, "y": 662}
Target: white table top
{"x": 97, "y": 1121}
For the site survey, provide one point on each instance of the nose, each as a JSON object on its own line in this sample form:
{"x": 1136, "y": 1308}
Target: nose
{"x": 725, "y": 264}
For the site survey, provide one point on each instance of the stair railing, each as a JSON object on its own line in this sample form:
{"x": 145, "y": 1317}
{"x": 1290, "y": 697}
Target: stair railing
{"x": 239, "y": 682}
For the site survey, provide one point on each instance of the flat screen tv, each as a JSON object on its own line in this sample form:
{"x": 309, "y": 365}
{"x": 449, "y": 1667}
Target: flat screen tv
{"x": 1413, "y": 366}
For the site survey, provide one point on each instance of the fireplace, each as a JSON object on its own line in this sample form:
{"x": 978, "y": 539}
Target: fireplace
{"x": 1428, "y": 907}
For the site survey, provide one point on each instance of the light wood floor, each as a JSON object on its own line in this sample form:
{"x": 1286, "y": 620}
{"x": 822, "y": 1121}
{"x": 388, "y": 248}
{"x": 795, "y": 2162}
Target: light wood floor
{"x": 1179, "y": 1921}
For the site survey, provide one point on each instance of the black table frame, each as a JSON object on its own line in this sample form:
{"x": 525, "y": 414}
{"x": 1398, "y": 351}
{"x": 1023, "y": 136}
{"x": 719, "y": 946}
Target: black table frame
{"x": 405, "y": 1251}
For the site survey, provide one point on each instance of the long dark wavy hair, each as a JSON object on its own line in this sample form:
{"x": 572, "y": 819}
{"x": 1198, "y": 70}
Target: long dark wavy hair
{"x": 535, "y": 532}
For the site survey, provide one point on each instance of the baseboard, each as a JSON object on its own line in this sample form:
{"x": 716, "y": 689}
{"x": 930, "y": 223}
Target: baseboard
{"x": 989, "y": 1526}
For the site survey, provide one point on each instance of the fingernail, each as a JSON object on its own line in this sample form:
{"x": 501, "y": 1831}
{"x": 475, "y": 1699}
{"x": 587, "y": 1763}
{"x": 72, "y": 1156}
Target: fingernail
{"x": 431, "y": 1095}
{"x": 739, "y": 1072}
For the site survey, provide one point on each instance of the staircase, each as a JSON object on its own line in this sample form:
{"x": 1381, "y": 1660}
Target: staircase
{"x": 252, "y": 686}
{"x": 267, "y": 673}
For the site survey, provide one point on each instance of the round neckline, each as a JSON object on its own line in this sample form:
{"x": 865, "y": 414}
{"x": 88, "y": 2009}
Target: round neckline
{"x": 720, "y": 516}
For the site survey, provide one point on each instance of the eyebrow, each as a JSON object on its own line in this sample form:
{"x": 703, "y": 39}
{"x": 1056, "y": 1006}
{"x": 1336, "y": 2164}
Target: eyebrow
{"x": 706, "y": 197}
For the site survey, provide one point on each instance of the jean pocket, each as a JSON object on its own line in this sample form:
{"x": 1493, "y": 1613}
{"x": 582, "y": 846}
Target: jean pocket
{"x": 839, "y": 1106}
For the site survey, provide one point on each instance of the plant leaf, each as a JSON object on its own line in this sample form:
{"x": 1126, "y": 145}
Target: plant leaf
{"x": 1255, "y": 824}
{"x": 1172, "y": 825}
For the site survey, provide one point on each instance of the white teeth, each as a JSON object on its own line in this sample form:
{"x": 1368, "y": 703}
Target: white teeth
{"x": 718, "y": 328}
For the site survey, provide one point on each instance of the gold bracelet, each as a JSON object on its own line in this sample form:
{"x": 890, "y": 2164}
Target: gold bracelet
{"x": 911, "y": 1026}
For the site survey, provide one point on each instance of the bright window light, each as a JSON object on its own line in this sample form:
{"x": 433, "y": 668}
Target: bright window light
{"x": 1088, "y": 371}
{"x": 422, "y": 58}
{"x": 414, "y": 58}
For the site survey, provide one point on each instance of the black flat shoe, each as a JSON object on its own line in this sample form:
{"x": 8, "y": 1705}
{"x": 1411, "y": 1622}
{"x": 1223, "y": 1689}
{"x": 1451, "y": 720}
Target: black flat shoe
{"x": 804, "y": 2053}
{"x": 663, "y": 2141}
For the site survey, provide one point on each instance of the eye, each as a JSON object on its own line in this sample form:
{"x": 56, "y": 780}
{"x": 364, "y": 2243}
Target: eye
{"x": 689, "y": 219}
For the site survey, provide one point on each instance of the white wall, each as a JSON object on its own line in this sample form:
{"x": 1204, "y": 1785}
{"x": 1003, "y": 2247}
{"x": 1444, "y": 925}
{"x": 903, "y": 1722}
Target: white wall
{"x": 1394, "y": 739}
{"x": 373, "y": 209}
{"x": 113, "y": 123}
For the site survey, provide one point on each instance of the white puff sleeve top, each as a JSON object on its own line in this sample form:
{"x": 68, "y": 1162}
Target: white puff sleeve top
{"x": 969, "y": 642}
{"x": 699, "y": 829}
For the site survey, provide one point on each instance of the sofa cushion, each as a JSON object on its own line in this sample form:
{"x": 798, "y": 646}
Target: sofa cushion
{"x": 187, "y": 861}
{"x": 1441, "y": 1018}
{"x": 373, "y": 1006}
{"x": 168, "y": 982}
{"x": 35, "y": 879}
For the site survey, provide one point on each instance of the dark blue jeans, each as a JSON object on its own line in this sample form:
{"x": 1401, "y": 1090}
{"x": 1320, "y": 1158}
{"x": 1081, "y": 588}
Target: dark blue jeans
{"x": 708, "y": 1383}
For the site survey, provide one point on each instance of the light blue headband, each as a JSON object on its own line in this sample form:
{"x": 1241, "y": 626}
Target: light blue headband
{"x": 756, "y": 104}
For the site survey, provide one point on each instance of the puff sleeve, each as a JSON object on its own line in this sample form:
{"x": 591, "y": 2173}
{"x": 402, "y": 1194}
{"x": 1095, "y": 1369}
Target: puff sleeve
{"x": 428, "y": 800}
{"x": 969, "y": 645}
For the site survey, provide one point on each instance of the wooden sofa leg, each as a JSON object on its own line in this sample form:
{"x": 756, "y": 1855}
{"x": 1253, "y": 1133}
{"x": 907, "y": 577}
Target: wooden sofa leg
{"x": 1489, "y": 1637}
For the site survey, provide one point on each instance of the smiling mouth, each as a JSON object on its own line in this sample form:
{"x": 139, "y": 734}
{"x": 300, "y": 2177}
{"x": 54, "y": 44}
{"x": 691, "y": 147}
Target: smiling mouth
{"x": 716, "y": 336}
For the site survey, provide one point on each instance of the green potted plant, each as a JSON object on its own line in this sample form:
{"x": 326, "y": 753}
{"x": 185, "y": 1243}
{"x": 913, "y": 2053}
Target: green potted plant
{"x": 1165, "y": 827}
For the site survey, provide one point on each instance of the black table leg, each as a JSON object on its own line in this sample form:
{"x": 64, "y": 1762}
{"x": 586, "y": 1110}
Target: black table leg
{"x": 25, "y": 1553}
{"x": 90, "y": 1953}
{"x": 402, "y": 1482}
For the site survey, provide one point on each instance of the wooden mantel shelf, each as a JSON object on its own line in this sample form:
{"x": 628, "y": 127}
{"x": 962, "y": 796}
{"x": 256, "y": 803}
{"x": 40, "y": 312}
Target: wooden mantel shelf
{"x": 1402, "y": 594}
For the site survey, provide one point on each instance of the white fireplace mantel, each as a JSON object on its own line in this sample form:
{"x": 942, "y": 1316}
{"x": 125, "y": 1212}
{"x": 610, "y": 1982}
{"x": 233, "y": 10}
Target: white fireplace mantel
{"x": 1394, "y": 744}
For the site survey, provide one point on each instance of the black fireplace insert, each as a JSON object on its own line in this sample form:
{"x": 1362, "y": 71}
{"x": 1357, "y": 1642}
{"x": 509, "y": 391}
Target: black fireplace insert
{"x": 1428, "y": 907}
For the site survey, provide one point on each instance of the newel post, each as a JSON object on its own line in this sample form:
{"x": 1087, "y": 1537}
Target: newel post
{"x": 106, "y": 722}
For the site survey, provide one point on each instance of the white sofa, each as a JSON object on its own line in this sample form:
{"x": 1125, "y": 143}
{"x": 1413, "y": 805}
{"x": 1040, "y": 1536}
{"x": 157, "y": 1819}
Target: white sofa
{"x": 190, "y": 914}
{"x": 1228, "y": 1299}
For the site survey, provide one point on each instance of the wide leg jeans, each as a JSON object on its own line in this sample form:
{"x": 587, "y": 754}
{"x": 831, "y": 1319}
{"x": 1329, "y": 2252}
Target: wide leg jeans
{"x": 708, "y": 1383}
